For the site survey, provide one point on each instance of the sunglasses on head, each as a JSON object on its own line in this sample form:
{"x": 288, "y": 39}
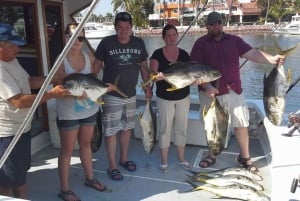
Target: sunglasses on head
{"x": 214, "y": 23}
{"x": 79, "y": 38}
{"x": 123, "y": 15}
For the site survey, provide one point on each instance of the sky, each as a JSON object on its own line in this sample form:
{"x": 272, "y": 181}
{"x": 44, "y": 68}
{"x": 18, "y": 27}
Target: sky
{"x": 103, "y": 7}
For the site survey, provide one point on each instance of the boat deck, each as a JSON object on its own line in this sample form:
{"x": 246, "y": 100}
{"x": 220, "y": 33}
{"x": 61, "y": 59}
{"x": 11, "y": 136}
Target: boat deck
{"x": 147, "y": 183}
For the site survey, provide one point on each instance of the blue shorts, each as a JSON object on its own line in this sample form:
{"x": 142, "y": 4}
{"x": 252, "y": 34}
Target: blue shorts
{"x": 14, "y": 171}
{"x": 75, "y": 124}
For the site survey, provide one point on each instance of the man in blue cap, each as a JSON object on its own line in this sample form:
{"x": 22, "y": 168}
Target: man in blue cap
{"x": 15, "y": 102}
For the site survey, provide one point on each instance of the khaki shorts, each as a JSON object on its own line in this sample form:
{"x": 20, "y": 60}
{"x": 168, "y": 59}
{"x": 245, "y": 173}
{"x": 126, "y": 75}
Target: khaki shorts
{"x": 237, "y": 108}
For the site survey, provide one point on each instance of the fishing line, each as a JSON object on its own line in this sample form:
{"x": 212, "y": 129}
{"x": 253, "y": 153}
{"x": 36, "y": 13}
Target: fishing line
{"x": 194, "y": 20}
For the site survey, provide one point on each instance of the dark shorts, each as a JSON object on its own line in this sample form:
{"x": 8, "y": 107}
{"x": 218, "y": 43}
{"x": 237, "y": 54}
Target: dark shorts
{"x": 14, "y": 171}
{"x": 75, "y": 124}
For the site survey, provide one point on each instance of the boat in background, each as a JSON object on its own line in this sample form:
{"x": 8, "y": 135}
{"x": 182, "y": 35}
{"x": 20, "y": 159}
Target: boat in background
{"x": 94, "y": 30}
{"x": 292, "y": 28}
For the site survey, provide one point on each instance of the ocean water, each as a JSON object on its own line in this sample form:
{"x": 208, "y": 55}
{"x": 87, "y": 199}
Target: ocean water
{"x": 252, "y": 74}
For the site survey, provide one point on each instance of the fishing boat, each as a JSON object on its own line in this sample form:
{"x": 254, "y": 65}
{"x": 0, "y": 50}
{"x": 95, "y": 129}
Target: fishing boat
{"x": 95, "y": 30}
{"x": 276, "y": 155}
{"x": 292, "y": 28}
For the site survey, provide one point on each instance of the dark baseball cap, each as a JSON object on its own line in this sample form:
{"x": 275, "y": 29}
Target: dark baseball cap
{"x": 124, "y": 17}
{"x": 213, "y": 17}
{"x": 9, "y": 34}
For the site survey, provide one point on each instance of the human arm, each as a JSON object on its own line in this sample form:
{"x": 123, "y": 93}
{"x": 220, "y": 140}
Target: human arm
{"x": 25, "y": 100}
{"x": 145, "y": 76}
{"x": 259, "y": 56}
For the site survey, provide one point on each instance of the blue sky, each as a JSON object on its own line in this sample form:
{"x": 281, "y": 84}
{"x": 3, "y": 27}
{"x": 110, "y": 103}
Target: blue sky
{"x": 103, "y": 7}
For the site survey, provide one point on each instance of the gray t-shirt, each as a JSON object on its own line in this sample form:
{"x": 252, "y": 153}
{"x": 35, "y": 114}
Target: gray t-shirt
{"x": 122, "y": 62}
{"x": 13, "y": 81}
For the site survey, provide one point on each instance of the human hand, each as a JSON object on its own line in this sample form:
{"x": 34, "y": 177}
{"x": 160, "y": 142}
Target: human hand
{"x": 159, "y": 76}
{"x": 210, "y": 91}
{"x": 58, "y": 92}
{"x": 83, "y": 96}
{"x": 279, "y": 59}
{"x": 111, "y": 87}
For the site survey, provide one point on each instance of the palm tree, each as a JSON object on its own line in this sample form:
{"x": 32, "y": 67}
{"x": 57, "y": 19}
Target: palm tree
{"x": 120, "y": 4}
{"x": 279, "y": 9}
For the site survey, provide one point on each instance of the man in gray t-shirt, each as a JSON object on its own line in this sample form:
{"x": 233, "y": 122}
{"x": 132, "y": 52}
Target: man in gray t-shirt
{"x": 122, "y": 57}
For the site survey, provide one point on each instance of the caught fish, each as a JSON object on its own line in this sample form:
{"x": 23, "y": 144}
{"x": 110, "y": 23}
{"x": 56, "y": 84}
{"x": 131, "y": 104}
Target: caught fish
{"x": 230, "y": 171}
{"x": 182, "y": 74}
{"x": 78, "y": 83}
{"x": 148, "y": 124}
{"x": 225, "y": 180}
{"x": 234, "y": 191}
{"x": 216, "y": 127}
{"x": 276, "y": 85}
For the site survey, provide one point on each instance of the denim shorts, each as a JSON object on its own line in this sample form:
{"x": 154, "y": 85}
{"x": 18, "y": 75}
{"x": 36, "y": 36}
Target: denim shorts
{"x": 14, "y": 171}
{"x": 75, "y": 124}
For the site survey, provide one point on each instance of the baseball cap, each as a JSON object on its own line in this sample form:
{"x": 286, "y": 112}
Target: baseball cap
{"x": 213, "y": 17}
{"x": 123, "y": 16}
{"x": 9, "y": 34}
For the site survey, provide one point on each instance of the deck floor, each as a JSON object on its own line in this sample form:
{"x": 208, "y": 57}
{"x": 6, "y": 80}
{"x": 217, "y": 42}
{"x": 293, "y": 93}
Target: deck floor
{"x": 146, "y": 184}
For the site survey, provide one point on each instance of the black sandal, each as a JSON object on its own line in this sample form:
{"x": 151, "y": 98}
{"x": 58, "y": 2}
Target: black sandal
{"x": 247, "y": 163}
{"x": 207, "y": 161}
{"x": 65, "y": 195}
{"x": 94, "y": 183}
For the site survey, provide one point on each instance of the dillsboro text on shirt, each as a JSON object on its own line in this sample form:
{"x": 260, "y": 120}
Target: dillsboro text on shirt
{"x": 124, "y": 51}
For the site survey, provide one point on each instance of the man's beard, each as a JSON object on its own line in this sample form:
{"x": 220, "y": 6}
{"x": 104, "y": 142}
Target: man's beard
{"x": 215, "y": 33}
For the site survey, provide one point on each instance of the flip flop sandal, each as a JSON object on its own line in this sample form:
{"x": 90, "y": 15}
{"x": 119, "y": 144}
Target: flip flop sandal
{"x": 207, "y": 161}
{"x": 247, "y": 163}
{"x": 115, "y": 174}
{"x": 65, "y": 194}
{"x": 129, "y": 166}
{"x": 94, "y": 183}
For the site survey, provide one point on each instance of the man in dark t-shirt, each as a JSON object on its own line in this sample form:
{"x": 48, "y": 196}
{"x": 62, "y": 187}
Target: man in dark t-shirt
{"x": 122, "y": 57}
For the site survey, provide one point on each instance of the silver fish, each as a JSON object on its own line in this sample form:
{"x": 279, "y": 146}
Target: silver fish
{"x": 216, "y": 127}
{"x": 231, "y": 171}
{"x": 148, "y": 124}
{"x": 234, "y": 191}
{"x": 78, "y": 83}
{"x": 276, "y": 84}
{"x": 182, "y": 74}
{"x": 225, "y": 180}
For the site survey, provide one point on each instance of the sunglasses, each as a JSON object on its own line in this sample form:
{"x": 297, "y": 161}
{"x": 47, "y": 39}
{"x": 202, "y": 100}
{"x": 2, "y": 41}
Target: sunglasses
{"x": 215, "y": 23}
{"x": 123, "y": 16}
{"x": 79, "y": 38}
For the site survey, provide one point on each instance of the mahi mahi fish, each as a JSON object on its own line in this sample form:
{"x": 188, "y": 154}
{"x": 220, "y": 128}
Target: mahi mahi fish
{"x": 182, "y": 74}
{"x": 276, "y": 85}
{"x": 216, "y": 127}
{"x": 225, "y": 180}
{"x": 148, "y": 124}
{"x": 78, "y": 83}
{"x": 230, "y": 171}
{"x": 233, "y": 191}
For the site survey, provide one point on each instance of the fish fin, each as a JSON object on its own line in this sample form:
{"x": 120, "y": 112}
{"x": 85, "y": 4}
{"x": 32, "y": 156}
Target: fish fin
{"x": 100, "y": 102}
{"x": 195, "y": 186}
{"x": 120, "y": 92}
{"x": 289, "y": 75}
{"x": 285, "y": 52}
{"x": 173, "y": 88}
{"x": 92, "y": 74}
